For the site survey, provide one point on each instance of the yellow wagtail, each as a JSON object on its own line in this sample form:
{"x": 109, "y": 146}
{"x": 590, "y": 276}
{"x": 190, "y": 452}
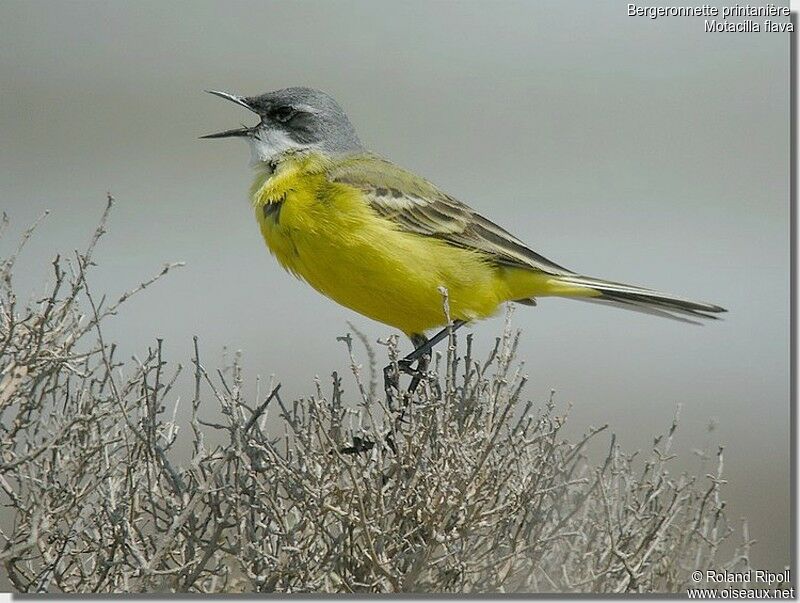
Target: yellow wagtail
{"x": 384, "y": 242}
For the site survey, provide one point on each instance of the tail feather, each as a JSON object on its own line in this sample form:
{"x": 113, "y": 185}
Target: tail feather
{"x": 644, "y": 300}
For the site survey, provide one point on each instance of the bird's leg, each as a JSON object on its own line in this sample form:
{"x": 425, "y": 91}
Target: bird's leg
{"x": 422, "y": 353}
{"x": 424, "y": 361}
{"x": 427, "y": 345}
{"x": 391, "y": 377}
{"x": 391, "y": 380}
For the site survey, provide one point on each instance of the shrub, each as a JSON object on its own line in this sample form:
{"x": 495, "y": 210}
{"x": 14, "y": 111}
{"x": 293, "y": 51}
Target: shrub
{"x": 472, "y": 489}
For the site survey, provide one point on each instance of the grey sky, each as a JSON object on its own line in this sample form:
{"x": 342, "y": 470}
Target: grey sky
{"x": 626, "y": 148}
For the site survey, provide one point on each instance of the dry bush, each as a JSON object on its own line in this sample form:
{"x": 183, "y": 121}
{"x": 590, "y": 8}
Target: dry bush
{"x": 474, "y": 490}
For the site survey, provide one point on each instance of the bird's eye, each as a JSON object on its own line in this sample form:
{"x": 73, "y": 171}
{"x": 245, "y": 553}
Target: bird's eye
{"x": 283, "y": 114}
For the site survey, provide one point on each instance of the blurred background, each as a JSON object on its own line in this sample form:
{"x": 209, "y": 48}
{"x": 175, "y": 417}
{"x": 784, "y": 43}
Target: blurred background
{"x": 638, "y": 150}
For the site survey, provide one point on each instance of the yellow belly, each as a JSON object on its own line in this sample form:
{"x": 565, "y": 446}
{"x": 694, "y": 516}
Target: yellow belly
{"x": 326, "y": 234}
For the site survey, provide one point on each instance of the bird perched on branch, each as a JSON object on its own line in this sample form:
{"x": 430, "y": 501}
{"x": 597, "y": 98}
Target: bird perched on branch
{"x": 384, "y": 242}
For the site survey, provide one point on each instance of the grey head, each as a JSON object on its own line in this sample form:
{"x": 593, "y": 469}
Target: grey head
{"x": 293, "y": 119}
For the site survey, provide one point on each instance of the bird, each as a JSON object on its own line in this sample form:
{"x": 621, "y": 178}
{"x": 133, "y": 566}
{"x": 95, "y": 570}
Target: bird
{"x": 385, "y": 242}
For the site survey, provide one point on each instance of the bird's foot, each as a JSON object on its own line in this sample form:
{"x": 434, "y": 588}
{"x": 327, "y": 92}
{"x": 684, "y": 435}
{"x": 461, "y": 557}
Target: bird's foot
{"x": 391, "y": 378}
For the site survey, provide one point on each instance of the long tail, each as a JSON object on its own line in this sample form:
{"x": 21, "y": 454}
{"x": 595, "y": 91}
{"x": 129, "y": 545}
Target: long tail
{"x": 643, "y": 300}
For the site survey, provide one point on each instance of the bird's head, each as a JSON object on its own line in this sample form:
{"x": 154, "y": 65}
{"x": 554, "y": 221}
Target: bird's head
{"x": 293, "y": 119}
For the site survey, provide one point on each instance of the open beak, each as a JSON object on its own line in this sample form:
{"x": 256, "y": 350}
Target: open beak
{"x": 243, "y": 131}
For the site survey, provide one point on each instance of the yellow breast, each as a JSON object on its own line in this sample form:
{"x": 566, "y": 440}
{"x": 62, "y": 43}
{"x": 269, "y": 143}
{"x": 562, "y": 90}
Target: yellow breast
{"x": 326, "y": 234}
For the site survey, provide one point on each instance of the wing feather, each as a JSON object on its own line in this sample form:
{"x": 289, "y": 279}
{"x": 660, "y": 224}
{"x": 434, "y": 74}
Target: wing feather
{"x": 415, "y": 205}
